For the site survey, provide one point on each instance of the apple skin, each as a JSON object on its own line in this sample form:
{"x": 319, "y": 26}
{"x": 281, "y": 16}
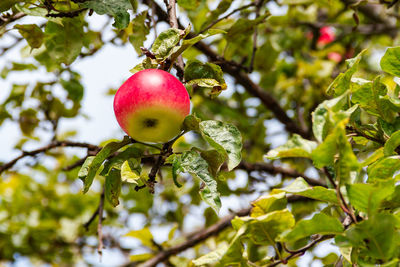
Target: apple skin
{"x": 151, "y": 106}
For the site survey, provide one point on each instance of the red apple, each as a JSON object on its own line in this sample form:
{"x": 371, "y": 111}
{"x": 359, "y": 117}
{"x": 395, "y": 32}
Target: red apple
{"x": 151, "y": 106}
{"x": 326, "y": 35}
{"x": 335, "y": 57}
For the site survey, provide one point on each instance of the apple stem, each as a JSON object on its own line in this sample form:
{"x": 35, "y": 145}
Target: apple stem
{"x": 165, "y": 152}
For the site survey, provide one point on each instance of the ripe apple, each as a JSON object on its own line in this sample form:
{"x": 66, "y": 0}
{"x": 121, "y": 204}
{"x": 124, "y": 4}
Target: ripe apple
{"x": 335, "y": 57}
{"x": 151, "y": 106}
{"x": 326, "y": 35}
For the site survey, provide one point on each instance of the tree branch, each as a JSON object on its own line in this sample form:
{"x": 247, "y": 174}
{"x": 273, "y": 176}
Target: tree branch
{"x": 173, "y": 21}
{"x": 226, "y": 16}
{"x": 270, "y": 168}
{"x": 8, "y": 18}
{"x": 195, "y": 239}
{"x": 52, "y": 145}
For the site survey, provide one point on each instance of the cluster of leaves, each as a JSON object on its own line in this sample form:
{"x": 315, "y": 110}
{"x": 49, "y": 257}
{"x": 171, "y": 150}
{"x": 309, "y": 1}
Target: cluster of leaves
{"x": 357, "y": 135}
{"x": 225, "y": 139}
{"x": 354, "y": 148}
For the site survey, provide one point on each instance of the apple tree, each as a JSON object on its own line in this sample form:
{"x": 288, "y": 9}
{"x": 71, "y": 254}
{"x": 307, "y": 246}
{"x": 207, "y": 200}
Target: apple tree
{"x": 290, "y": 155}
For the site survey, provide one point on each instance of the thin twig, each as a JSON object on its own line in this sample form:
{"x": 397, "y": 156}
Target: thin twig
{"x": 89, "y": 222}
{"x": 227, "y": 15}
{"x": 343, "y": 205}
{"x": 164, "y": 154}
{"x": 100, "y": 224}
{"x": 301, "y": 251}
{"x": 258, "y": 4}
{"x": 70, "y": 14}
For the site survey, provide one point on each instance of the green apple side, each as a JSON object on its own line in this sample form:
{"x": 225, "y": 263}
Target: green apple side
{"x": 151, "y": 106}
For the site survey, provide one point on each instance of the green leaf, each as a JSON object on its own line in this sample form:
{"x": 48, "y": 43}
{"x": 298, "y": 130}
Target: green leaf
{"x": 141, "y": 257}
{"x": 189, "y": 4}
{"x": 374, "y": 157}
{"x": 191, "y": 123}
{"x": 204, "y": 82}
{"x": 205, "y": 75}
{"x": 16, "y": 95}
{"x": 35, "y": 11}
{"x": 390, "y": 62}
{"x": 83, "y": 172}
{"x": 267, "y": 204}
{"x": 131, "y": 152}
{"x": 296, "y": 146}
{"x": 116, "y": 8}
{"x": 391, "y": 144}
{"x": 28, "y": 121}
{"x": 147, "y": 63}
{"x": 74, "y": 89}
{"x": 31, "y": 33}
{"x": 243, "y": 27}
{"x": 384, "y": 168}
{"x": 371, "y": 96}
{"x": 389, "y": 128}
{"x": 194, "y": 164}
{"x": 301, "y": 188}
{"x": 21, "y": 67}
{"x": 225, "y": 138}
{"x": 139, "y": 31}
{"x": 144, "y": 235}
{"x": 336, "y": 149}
{"x": 63, "y": 42}
{"x": 7, "y": 4}
{"x": 324, "y": 116}
{"x": 178, "y": 50}
{"x": 130, "y": 171}
{"x": 214, "y": 160}
{"x": 222, "y": 7}
{"x": 176, "y": 168}
{"x": 342, "y": 82}
{"x": 265, "y": 229}
{"x": 165, "y": 42}
{"x": 385, "y": 109}
{"x": 225, "y": 254}
{"x": 113, "y": 186}
{"x": 320, "y": 223}
{"x": 96, "y": 162}
{"x": 379, "y": 243}
{"x": 368, "y": 197}
{"x": 213, "y": 256}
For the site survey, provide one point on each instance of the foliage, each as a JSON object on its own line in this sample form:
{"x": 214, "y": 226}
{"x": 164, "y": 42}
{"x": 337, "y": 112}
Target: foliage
{"x": 248, "y": 68}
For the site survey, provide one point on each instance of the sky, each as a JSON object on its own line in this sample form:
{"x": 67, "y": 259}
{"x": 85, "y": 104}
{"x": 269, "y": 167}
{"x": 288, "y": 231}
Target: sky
{"x": 106, "y": 69}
